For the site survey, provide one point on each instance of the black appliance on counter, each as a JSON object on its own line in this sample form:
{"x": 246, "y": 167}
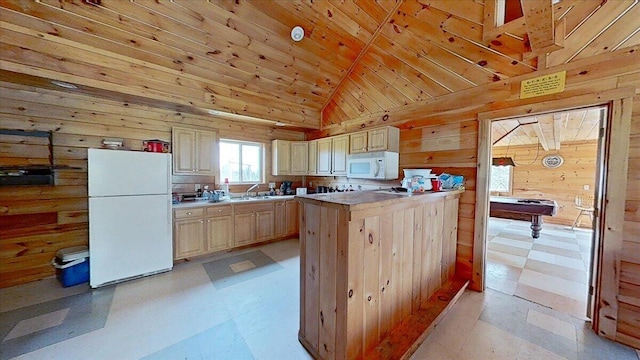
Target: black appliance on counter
{"x": 285, "y": 188}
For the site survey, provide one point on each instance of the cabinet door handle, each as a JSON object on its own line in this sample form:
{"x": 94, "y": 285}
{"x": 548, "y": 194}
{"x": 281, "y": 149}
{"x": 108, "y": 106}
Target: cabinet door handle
{"x": 189, "y": 213}
{"x": 209, "y": 220}
{"x": 219, "y": 210}
{"x": 201, "y": 221}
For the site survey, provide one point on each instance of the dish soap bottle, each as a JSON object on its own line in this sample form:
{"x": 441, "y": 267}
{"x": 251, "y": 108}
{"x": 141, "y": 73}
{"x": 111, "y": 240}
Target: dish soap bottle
{"x": 227, "y": 194}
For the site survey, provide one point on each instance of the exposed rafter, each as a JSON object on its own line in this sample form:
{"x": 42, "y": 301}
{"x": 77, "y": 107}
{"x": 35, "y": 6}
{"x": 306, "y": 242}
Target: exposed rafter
{"x": 544, "y": 35}
{"x": 540, "y": 134}
{"x": 558, "y": 126}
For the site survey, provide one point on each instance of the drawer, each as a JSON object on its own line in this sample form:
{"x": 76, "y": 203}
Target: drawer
{"x": 255, "y": 207}
{"x": 219, "y": 210}
{"x": 188, "y": 213}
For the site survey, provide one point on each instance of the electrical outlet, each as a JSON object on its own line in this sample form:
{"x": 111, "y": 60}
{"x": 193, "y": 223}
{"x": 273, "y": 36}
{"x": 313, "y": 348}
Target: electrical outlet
{"x": 272, "y": 185}
{"x": 197, "y": 187}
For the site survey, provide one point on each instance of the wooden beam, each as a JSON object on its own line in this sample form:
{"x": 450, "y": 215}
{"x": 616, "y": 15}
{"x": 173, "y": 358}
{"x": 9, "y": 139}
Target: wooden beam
{"x": 544, "y": 35}
{"x": 558, "y": 126}
{"x": 538, "y": 129}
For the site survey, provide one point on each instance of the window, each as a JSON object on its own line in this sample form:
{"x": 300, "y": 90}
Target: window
{"x": 501, "y": 179}
{"x": 241, "y": 161}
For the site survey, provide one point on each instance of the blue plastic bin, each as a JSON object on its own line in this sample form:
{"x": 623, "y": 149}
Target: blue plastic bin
{"x": 72, "y": 265}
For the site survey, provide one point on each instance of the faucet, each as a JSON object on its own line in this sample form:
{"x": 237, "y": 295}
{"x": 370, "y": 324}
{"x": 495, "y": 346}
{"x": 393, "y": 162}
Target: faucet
{"x": 254, "y": 186}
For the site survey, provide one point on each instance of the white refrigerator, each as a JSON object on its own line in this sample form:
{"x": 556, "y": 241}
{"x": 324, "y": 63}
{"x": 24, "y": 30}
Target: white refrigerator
{"x": 130, "y": 218}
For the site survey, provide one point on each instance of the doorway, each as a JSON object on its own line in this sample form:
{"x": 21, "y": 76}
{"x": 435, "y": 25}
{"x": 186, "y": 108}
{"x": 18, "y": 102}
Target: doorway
{"x": 554, "y": 157}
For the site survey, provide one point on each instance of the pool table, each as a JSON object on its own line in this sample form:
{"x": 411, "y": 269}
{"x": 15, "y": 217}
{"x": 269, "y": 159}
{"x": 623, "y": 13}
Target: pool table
{"x": 523, "y": 209}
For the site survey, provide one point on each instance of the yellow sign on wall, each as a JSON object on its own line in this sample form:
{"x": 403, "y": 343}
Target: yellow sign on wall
{"x": 543, "y": 85}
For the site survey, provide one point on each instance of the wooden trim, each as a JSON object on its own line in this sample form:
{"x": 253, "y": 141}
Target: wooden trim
{"x": 482, "y": 206}
{"x": 605, "y": 317}
{"x": 562, "y": 104}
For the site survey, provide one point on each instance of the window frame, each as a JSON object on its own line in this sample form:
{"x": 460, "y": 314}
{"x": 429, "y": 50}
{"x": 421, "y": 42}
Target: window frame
{"x": 510, "y": 183}
{"x": 261, "y": 155}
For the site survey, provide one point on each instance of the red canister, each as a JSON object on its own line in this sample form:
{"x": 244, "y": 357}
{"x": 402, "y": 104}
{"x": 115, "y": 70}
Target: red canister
{"x": 155, "y": 146}
{"x": 435, "y": 184}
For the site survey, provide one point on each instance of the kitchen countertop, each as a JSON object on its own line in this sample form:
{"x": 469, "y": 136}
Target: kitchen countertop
{"x": 355, "y": 200}
{"x": 199, "y": 203}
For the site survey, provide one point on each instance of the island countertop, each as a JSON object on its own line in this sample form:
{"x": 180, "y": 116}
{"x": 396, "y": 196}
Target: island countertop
{"x": 358, "y": 200}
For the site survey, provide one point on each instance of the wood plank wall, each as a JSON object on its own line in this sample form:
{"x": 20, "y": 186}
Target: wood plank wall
{"x": 531, "y": 179}
{"x": 36, "y": 221}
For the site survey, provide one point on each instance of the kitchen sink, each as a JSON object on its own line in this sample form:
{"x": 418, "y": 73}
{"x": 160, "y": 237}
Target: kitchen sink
{"x": 262, "y": 197}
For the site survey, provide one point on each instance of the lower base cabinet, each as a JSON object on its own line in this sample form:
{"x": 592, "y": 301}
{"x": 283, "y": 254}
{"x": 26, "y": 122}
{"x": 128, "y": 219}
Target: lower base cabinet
{"x": 253, "y": 223}
{"x": 219, "y": 228}
{"x": 245, "y": 229}
{"x": 203, "y": 230}
{"x": 188, "y": 233}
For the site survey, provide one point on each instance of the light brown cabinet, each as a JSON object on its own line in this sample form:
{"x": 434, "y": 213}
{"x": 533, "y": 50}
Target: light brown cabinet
{"x": 324, "y": 157}
{"x": 281, "y": 157}
{"x": 219, "y": 228}
{"x": 381, "y": 139}
{"x": 289, "y": 157}
{"x": 244, "y": 229}
{"x": 286, "y": 218}
{"x": 299, "y": 157}
{"x": 339, "y": 151}
{"x": 206, "y": 229}
{"x": 332, "y": 155}
{"x": 280, "y": 217}
{"x": 291, "y": 217}
{"x": 312, "y": 158}
{"x": 194, "y": 151}
{"x": 189, "y": 231}
{"x": 253, "y": 223}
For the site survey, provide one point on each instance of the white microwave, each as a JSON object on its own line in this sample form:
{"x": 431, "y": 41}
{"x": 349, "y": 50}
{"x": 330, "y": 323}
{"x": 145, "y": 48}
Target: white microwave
{"x": 381, "y": 165}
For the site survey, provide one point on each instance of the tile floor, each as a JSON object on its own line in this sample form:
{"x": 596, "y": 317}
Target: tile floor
{"x": 194, "y": 312}
{"x": 552, "y": 270}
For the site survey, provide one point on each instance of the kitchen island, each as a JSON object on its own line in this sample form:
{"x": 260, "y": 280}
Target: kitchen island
{"x": 377, "y": 270}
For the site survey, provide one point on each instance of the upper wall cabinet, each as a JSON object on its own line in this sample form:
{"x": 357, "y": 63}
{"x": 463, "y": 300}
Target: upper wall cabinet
{"x": 280, "y": 157}
{"x": 340, "y": 149}
{"x": 312, "y": 159}
{"x": 194, "y": 151}
{"x": 332, "y": 156}
{"x": 381, "y": 139}
{"x": 299, "y": 157}
{"x": 289, "y": 157}
{"x": 323, "y": 164}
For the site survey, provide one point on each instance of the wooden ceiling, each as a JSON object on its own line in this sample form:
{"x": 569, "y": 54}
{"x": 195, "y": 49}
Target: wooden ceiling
{"x": 236, "y": 57}
{"x": 549, "y": 130}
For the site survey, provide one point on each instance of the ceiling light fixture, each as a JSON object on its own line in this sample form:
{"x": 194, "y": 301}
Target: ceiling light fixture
{"x": 63, "y": 84}
{"x": 280, "y": 124}
{"x": 297, "y": 33}
{"x": 213, "y": 112}
{"x": 503, "y": 161}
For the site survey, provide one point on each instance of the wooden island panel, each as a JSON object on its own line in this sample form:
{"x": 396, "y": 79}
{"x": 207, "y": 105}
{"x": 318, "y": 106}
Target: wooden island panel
{"x": 365, "y": 269}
